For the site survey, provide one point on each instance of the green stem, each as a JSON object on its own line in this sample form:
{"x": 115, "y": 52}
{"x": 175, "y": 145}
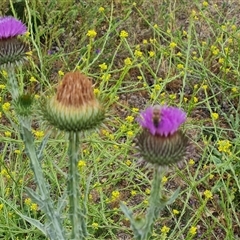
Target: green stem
{"x": 156, "y": 204}
{"x": 77, "y": 217}
{"x": 13, "y": 83}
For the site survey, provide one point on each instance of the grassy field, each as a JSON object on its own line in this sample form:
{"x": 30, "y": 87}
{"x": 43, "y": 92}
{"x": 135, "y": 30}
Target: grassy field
{"x": 181, "y": 53}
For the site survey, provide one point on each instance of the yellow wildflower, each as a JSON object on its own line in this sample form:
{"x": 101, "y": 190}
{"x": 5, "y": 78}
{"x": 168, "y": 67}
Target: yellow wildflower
{"x": 34, "y": 207}
{"x": 28, "y": 201}
{"x": 128, "y": 61}
{"x": 215, "y": 116}
{"x": 123, "y": 34}
{"x": 101, "y": 9}
{"x": 7, "y": 134}
{"x": 172, "y": 45}
{"x": 175, "y": 212}
{"x": 138, "y": 53}
{"x": 193, "y": 230}
{"x": 224, "y": 145}
{"x": 6, "y": 106}
{"x": 165, "y": 229}
{"x": 208, "y": 194}
{"x": 103, "y": 66}
{"x": 129, "y": 119}
{"x": 60, "y": 73}
{"x": 2, "y": 86}
{"x": 91, "y": 33}
{"x": 95, "y": 225}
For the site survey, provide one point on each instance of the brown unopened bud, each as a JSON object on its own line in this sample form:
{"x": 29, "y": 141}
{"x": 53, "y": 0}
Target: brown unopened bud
{"x": 74, "y": 107}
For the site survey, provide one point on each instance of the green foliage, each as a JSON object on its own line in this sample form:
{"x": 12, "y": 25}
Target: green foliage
{"x": 177, "y": 52}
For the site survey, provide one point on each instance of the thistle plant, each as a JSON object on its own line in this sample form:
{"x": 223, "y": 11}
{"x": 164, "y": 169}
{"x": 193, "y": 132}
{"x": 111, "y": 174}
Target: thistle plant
{"x": 73, "y": 109}
{"x": 161, "y": 143}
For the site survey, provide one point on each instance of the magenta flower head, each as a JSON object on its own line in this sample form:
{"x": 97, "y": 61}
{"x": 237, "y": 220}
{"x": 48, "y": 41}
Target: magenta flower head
{"x": 12, "y": 49}
{"x": 11, "y": 27}
{"x": 162, "y": 142}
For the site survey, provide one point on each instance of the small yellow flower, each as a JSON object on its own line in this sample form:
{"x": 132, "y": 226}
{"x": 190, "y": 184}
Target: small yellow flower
{"x": 123, "y": 34}
{"x": 133, "y": 193}
{"x": 193, "y": 230}
{"x": 36, "y": 96}
{"x": 179, "y": 54}
{"x": 135, "y": 110}
{"x": 103, "y": 66}
{"x": 101, "y": 9}
{"x": 2, "y": 86}
{"x": 115, "y": 195}
{"x": 96, "y": 91}
{"x": 95, "y": 225}
{"x": 211, "y": 176}
{"x": 180, "y": 66}
{"x": 145, "y": 41}
{"x": 128, "y": 163}
{"x": 128, "y": 61}
{"x": 130, "y": 133}
{"x": 191, "y": 162}
{"x": 234, "y": 90}
{"x": 151, "y": 53}
{"x": 33, "y": 79}
{"x": 38, "y": 134}
{"x": 6, "y": 106}
{"x": 195, "y": 99}
{"x": 157, "y": 87}
{"x": 60, "y": 73}
{"x": 175, "y": 212}
{"x": 164, "y": 179}
{"x": 208, "y": 194}
{"x": 138, "y": 53}
{"x": 204, "y": 87}
{"x": 106, "y": 76}
{"x": 172, "y": 45}
{"x": 81, "y": 164}
{"x": 224, "y": 146}
{"x": 145, "y": 202}
{"x": 129, "y": 119}
{"x": 17, "y": 151}
{"x": 205, "y": 3}
{"x": 147, "y": 191}
{"x": 165, "y": 229}
{"x": 7, "y": 134}
{"x": 28, "y": 201}
{"x": 91, "y": 33}
{"x": 215, "y": 116}
{"x": 34, "y": 207}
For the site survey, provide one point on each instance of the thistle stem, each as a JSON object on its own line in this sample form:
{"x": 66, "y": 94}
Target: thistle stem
{"x": 156, "y": 204}
{"x": 13, "y": 83}
{"x": 77, "y": 217}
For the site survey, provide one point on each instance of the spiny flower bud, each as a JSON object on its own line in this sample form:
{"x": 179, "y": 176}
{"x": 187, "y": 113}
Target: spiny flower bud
{"x": 23, "y": 104}
{"x": 74, "y": 107}
{"x": 161, "y": 142}
{"x": 12, "y": 49}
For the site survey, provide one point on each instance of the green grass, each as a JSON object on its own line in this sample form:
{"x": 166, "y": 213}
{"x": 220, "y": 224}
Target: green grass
{"x": 190, "y": 58}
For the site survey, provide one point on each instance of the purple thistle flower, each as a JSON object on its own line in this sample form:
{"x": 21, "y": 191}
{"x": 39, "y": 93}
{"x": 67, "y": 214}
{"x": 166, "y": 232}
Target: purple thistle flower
{"x": 162, "y": 120}
{"x": 162, "y": 142}
{"x": 11, "y": 27}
